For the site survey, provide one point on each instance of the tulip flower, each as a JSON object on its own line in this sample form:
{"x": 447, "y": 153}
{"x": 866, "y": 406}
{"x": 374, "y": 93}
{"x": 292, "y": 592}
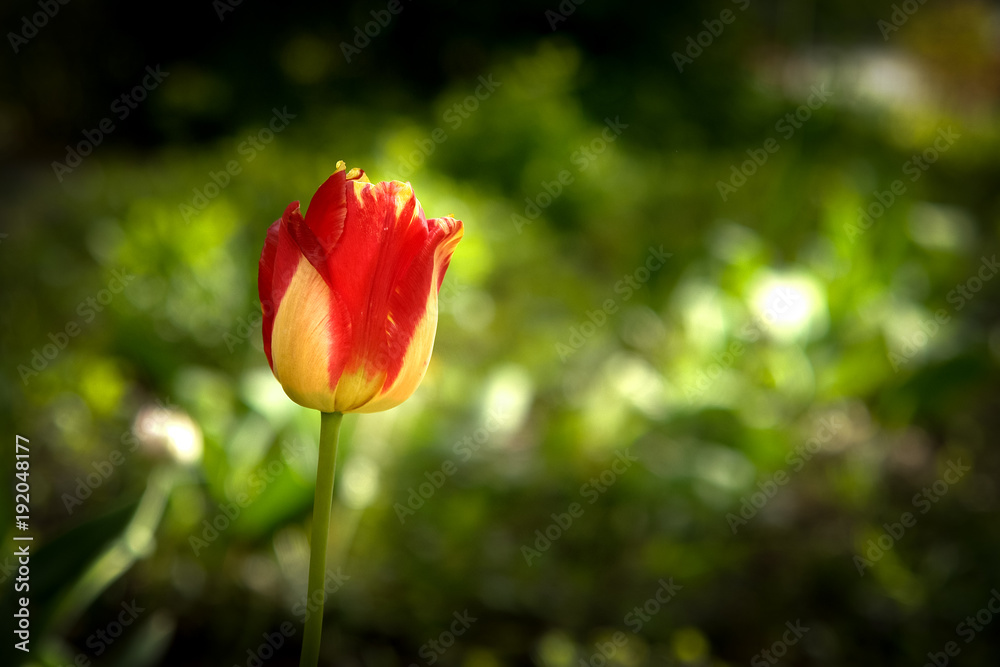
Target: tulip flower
{"x": 349, "y": 295}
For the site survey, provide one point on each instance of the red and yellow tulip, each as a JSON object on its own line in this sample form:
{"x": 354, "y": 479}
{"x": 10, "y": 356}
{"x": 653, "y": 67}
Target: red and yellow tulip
{"x": 349, "y": 293}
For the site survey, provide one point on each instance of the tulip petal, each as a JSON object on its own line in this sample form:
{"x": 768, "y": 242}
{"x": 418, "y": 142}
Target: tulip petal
{"x": 408, "y": 308}
{"x": 278, "y": 262}
{"x": 304, "y": 339}
{"x": 324, "y": 221}
{"x": 413, "y": 364}
{"x": 350, "y": 293}
{"x": 400, "y": 275}
{"x": 267, "y": 256}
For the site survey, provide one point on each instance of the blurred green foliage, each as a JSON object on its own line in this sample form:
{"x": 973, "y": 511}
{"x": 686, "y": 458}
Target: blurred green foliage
{"x": 784, "y": 355}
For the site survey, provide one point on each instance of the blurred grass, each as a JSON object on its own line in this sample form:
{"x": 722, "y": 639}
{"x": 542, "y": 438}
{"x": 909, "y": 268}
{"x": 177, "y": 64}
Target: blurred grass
{"x": 659, "y": 379}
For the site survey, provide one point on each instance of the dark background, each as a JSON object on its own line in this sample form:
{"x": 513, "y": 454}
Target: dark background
{"x": 699, "y": 373}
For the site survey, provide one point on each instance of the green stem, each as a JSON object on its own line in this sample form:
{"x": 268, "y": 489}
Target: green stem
{"x": 329, "y": 434}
